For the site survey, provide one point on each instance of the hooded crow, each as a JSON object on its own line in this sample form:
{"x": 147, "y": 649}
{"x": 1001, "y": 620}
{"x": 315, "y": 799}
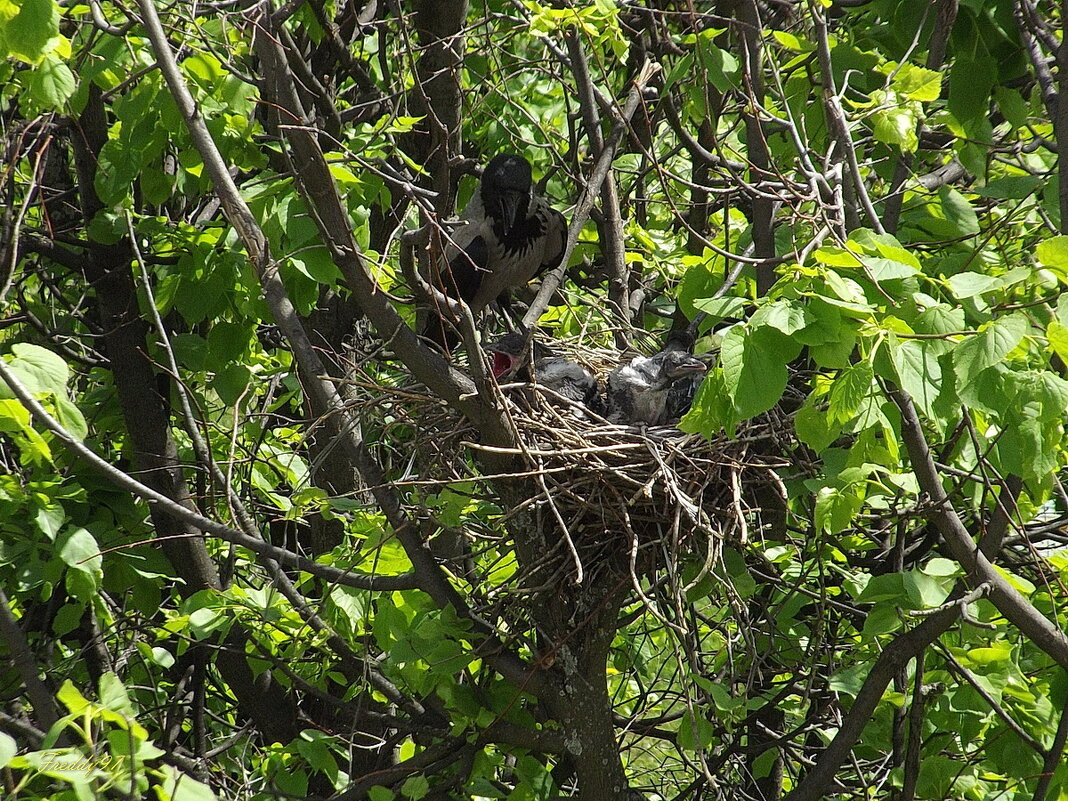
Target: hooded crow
{"x": 507, "y": 236}
{"x": 640, "y": 392}
{"x": 567, "y": 378}
{"x": 683, "y": 390}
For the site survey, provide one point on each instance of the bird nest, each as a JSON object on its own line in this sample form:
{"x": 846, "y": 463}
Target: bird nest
{"x": 634, "y": 499}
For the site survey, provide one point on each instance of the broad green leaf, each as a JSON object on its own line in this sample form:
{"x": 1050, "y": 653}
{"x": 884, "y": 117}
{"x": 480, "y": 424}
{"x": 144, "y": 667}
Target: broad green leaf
{"x": 231, "y": 383}
{"x": 51, "y": 84}
{"x": 959, "y": 211}
{"x": 8, "y": 749}
{"x": 40, "y": 369}
{"x": 721, "y": 308}
{"x": 851, "y": 386}
{"x": 792, "y": 42}
{"x": 1053, "y": 252}
{"x": 970, "y": 84}
{"x": 72, "y": 699}
{"x": 918, "y": 372}
{"x": 814, "y": 427}
{"x": 940, "y": 319}
{"x": 695, "y": 732}
{"x": 1057, "y": 334}
{"x": 28, "y": 35}
{"x": 897, "y": 126}
{"x": 79, "y": 550}
{"x": 783, "y": 315}
{"x": 882, "y": 269}
{"x": 14, "y": 417}
{"x": 942, "y": 568}
{"x": 887, "y": 587}
{"x": 113, "y": 695}
{"x": 985, "y": 349}
{"x": 754, "y": 367}
{"x": 415, "y": 787}
{"x": 968, "y": 284}
{"x": 918, "y": 83}
{"x": 70, "y": 417}
{"x": 836, "y": 509}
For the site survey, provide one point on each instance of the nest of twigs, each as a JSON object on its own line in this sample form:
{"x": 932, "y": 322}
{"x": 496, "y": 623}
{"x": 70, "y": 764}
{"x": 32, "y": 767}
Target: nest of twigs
{"x": 635, "y": 498}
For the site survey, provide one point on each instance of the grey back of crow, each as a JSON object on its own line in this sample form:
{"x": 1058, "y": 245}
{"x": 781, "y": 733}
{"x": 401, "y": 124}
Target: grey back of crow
{"x": 506, "y": 236}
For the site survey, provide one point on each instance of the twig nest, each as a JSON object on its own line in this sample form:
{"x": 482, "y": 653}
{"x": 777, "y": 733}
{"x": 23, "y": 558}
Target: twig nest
{"x": 634, "y": 496}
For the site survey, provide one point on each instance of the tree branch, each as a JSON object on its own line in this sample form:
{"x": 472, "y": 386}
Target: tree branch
{"x": 1019, "y": 611}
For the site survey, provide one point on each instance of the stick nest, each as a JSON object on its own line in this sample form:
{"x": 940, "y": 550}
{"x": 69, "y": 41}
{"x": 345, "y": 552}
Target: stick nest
{"x": 636, "y": 498}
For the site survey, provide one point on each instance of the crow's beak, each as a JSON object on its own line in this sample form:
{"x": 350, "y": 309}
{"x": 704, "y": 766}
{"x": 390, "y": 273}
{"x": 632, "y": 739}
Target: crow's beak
{"x": 691, "y": 366}
{"x": 510, "y": 206}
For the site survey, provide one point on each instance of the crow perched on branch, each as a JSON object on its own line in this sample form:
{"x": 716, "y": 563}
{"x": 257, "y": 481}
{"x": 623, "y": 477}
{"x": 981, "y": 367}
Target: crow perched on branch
{"x": 506, "y": 237}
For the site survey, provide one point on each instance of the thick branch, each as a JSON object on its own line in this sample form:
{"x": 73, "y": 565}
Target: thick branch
{"x": 1019, "y": 611}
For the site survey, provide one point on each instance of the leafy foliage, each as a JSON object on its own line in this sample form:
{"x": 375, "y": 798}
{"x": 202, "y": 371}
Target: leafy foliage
{"x": 857, "y": 206}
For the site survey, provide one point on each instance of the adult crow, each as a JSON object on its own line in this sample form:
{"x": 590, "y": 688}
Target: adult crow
{"x": 507, "y": 236}
{"x": 640, "y": 391}
{"x": 508, "y": 362}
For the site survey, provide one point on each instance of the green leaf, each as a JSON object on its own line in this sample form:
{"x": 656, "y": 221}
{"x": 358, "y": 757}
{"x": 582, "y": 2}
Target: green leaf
{"x": 181, "y": 787}
{"x": 918, "y": 83}
{"x": 814, "y": 427}
{"x": 940, "y": 319}
{"x": 8, "y": 749}
{"x": 851, "y": 386}
{"x": 52, "y": 84}
{"x": 70, "y": 417}
{"x": 888, "y": 269}
{"x": 783, "y": 315}
{"x": 887, "y": 587}
{"x": 415, "y": 787}
{"x": 379, "y": 793}
{"x": 959, "y": 211}
{"x": 1053, "y": 252}
{"x": 40, "y": 369}
{"x": 968, "y": 284}
{"x": 754, "y": 368}
{"x": 67, "y": 619}
{"x": 836, "y": 509}
{"x": 72, "y": 699}
{"x": 79, "y": 550}
{"x": 942, "y": 568}
{"x": 918, "y": 372}
{"x": 28, "y": 35}
{"x": 721, "y": 68}
{"x": 793, "y": 43}
{"x": 695, "y": 733}
{"x": 231, "y": 383}
{"x": 721, "y": 308}
{"x": 980, "y": 351}
{"x": 896, "y": 126}
{"x": 14, "y": 417}
{"x": 970, "y": 82}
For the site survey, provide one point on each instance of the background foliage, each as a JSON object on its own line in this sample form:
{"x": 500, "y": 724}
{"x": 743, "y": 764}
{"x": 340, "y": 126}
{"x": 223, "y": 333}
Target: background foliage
{"x": 260, "y": 590}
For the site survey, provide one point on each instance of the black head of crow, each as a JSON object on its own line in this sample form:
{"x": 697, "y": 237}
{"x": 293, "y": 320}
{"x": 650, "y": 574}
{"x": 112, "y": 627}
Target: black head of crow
{"x": 505, "y": 189}
{"x": 639, "y": 392}
{"x": 506, "y": 237}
